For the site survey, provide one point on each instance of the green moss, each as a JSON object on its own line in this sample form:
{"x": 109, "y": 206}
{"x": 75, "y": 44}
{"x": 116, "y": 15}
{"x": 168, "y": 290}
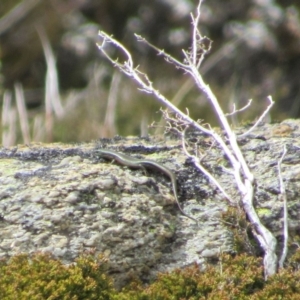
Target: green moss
{"x": 264, "y": 212}
{"x": 241, "y": 277}
{"x": 235, "y": 219}
{"x": 42, "y": 277}
{"x": 236, "y": 277}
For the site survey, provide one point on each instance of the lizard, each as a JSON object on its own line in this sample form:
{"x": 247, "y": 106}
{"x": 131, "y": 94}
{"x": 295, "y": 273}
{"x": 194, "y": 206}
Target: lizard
{"x": 133, "y": 162}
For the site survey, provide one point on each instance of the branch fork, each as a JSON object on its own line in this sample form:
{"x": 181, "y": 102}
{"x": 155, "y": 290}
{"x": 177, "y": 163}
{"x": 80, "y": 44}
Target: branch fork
{"x": 243, "y": 176}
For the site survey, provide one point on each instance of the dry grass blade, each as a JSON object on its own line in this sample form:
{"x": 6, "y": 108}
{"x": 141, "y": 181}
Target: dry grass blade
{"x": 9, "y": 119}
{"x": 16, "y": 14}
{"x": 23, "y": 116}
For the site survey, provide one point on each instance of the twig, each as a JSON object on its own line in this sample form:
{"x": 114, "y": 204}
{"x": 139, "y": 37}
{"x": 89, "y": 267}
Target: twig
{"x": 260, "y": 118}
{"x": 161, "y": 52}
{"x": 235, "y": 111}
{"x": 285, "y": 212}
{"x": 243, "y": 176}
{"x": 197, "y": 163}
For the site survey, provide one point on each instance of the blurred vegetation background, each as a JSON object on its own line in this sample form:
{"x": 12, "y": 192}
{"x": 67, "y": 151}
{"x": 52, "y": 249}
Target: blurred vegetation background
{"x": 55, "y": 85}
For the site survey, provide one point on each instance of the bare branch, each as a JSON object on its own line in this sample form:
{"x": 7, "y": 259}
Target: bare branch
{"x": 235, "y": 111}
{"x": 237, "y": 159}
{"x": 244, "y": 179}
{"x": 260, "y": 118}
{"x": 197, "y": 163}
{"x": 109, "y": 39}
{"x": 285, "y": 212}
{"x": 161, "y": 52}
{"x": 143, "y": 81}
{"x": 196, "y": 34}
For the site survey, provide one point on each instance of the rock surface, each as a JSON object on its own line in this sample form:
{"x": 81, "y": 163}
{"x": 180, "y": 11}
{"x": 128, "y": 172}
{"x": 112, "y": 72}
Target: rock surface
{"x": 66, "y": 199}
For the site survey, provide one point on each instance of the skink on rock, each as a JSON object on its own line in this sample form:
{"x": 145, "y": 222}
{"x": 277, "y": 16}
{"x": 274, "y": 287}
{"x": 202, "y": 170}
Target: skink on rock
{"x": 144, "y": 163}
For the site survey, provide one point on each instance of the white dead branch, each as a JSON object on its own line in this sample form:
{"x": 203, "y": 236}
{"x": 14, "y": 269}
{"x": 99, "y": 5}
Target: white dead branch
{"x": 244, "y": 178}
{"x": 285, "y": 212}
